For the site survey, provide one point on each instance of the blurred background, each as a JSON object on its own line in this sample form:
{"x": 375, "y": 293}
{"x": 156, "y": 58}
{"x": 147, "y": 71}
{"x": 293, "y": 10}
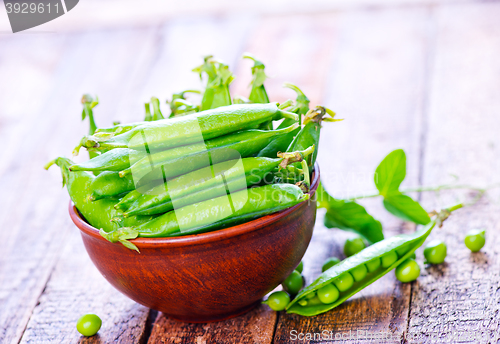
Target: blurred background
{"x": 422, "y": 75}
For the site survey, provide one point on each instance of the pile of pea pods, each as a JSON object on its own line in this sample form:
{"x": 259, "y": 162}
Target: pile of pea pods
{"x": 172, "y": 175}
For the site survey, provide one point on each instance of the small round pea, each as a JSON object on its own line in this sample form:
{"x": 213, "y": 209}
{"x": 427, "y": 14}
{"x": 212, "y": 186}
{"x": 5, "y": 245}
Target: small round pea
{"x": 303, "y": 302}
{"x": 329, "y": 263}
{"x": 435, "y": 252}
{"x": 373, "y": 264}
{"x": 475, "y": 239}
{"x": 293, "y": 283}
{"x": 278, "y": 300}
{"x": 310, "y": 295}
{"x": 88, "y": 324}
{"x": 408, "y": 271}
{"x": 353, "y": 246}
{"x": 344, "y": 281}
{"x": 300, "y": 267}
{"x": 359, "y": 273}
{"x": 388, "y": 259}
{"x": 328, "y": 294}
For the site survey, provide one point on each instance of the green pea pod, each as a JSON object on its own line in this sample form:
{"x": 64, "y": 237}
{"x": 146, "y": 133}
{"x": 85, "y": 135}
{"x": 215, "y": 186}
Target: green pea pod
{"x": 128, "y": 200}
{"x": 109, "y": 184}
{"x": 100, "y": 213}
{"x": 363, "y": 269}
{"x": 170, "y": 133}
{"x": 310, "y": 132}
{"x": 221, "y": 212}
{"x": 184, "y": 159}
{"x": 219, "y": 77}
{"x": 282, "y": 143}
{"x": 114, "y": 160}
{"x": 209, "y": 182}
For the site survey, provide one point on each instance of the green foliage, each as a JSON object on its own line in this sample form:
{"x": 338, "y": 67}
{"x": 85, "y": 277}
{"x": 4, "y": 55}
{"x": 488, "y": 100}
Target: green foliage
{"x": 350, "y": 216}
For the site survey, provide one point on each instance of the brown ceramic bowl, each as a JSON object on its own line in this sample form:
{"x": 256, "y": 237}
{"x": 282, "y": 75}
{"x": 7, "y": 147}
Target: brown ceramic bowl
{"x": 210, "y": 276}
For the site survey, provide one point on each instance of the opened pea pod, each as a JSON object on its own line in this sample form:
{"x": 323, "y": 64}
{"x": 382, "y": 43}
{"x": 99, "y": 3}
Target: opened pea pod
{"x": 343, "y": 280}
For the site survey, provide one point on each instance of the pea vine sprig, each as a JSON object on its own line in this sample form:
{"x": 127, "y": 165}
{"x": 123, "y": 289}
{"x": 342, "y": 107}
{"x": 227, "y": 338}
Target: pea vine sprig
{"x": 349, "y": 215}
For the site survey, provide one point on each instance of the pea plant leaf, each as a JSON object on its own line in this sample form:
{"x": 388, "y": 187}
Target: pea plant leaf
{"x": 391, "y": 172}
{"x": 349, "y": 216}
{"x": 406, "y": 208}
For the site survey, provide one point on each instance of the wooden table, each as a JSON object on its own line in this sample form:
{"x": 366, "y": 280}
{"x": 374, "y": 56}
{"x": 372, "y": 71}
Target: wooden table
{"x": 418, "y": 75}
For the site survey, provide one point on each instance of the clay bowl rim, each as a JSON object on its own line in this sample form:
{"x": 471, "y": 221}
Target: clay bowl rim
{"x": 197, "y": 239}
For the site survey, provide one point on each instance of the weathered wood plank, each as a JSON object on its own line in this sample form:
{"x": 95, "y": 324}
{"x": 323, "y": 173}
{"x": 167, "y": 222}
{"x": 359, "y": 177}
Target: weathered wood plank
{"x": 76, "y": 288}
{"x": 459, "y": 300}
{"x": 38, "y": 222}
{"x": 296, "y": 49}
{"x": 376, "y": 84}
{"x": 256, "y": 326}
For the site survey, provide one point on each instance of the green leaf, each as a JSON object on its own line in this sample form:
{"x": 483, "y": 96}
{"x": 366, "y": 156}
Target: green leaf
{"x": 351, "y": 216}
{"x": 348, "y": 215}
{"x": 391, "y": 172}
{"x": 406, "y": 208}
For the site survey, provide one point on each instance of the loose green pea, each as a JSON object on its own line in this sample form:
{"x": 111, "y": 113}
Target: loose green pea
{"x": 344, "y": 281}
{"x": 359, "y": 273}
{"x": 353, "y": 246}
{"x": 373, "y": 264}
{"x": 300, "y": 267}
{"x": 293, "y": 283}
{"x": 389, "y": 259}
{"x": 278, "y": 300}
{"x": 329, "y": 263}
{"x": 328, "y": 294}
{"x": 408, "y": 271}
{"x": 88, "y": 324}
{"x": 475, "y": 239}
{"x": 435, "y": 252}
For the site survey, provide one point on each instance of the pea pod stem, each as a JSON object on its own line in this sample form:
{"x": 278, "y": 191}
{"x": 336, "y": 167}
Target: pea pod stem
{"x": 157, "y": 115}
{"x": 147, "y": 116}
{"x": 88, "y": 104}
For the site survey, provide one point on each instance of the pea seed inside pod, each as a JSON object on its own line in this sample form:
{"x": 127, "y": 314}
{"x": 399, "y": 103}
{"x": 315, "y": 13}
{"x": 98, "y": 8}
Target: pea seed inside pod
{"x": 344, "y": 281}
{"x": 359, "y": 273}
{"x": 402, "y": 251}
{"x": 373, "y": 264}
{"x": 310, "y": 295}
{"x": 328, "y": 294}
{"x": 389, "y": 259}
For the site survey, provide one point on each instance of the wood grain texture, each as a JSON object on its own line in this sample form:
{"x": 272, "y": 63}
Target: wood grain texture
{"x": 76, "y": 288}
{"x": 459, "y": 300}
{"x": 376, "y": 84}
{"x": 256, "y": 326}
{"x": 296, "y": 49}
